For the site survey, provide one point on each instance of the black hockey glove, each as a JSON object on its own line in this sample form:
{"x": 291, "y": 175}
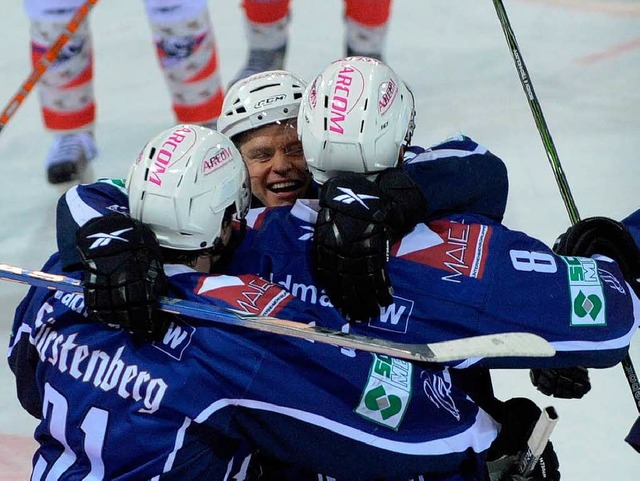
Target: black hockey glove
{"x": 124, "y": 277}
{"x": 357, "y": 223}
{"x": 564, "y": 383}
{"x": 351, "y": 246}
{"x": 518, "y": 417}
{"x": 601, "y": 235}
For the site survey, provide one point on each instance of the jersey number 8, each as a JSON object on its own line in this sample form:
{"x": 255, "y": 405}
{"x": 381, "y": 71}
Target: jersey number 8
{"x": 533, "y": 261}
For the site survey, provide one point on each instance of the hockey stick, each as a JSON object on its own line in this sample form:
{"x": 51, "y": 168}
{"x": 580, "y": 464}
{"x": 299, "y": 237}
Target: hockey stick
{"x": 513, "y": 344}
{"x": 537, "y": 441}
{"x": 552, "y": 155}
{"x": 536, "y": 110}
{"x": 45, "y": 61}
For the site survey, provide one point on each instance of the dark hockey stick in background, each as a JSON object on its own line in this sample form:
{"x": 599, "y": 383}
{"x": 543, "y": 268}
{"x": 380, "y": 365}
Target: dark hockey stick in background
{"x": 552, "y": 155}
{"x": 536, "y": 110}
{"x": 512, "y": 344}
{"x": 45, "y": 61}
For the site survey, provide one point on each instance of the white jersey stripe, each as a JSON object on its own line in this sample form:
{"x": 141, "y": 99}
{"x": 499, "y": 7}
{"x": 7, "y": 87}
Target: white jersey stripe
{"x": 80, "y": 210}
{"x": 478, "y": 437}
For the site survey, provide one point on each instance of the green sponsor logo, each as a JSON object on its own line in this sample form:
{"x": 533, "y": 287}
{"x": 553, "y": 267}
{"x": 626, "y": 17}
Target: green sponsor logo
{"x": 385, "y": 398}
{"x": 378, "y": 400}
{"x": 587, "y": 294}
{"x": 587, "y": 305}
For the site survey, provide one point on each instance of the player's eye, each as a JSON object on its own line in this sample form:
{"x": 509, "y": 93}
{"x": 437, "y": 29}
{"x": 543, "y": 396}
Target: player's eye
{"x": 294, "y": 150}
{"x": 259, "y": 156}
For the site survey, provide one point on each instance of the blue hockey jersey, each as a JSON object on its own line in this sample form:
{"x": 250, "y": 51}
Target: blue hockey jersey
{"x": 189, "y": 406}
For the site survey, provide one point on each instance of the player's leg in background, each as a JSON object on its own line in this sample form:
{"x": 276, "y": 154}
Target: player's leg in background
{"x": 267, "y": 29}
{"x": 188, "y": 55}
{"x": 366, "y": 23}
{"x": 66, "y": 88}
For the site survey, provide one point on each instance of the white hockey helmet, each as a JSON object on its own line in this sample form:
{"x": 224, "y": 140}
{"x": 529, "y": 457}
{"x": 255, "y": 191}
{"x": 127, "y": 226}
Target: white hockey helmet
{"x": 260, "y": 99}
{"x": 355, "y": 116}
{"x": 183, "y": 183}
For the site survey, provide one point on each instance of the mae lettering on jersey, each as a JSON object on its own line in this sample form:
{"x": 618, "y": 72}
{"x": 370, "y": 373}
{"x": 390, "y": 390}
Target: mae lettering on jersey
{"x": 247, "y": 293}
{"x": 459, "y": 250}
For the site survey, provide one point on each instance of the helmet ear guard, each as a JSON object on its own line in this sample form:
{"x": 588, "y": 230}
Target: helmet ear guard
{"x": 355, "y": 117}
{"x": 183, "y": 183}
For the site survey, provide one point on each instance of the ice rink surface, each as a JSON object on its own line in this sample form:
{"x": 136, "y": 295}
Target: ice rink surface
{"x": 584, "y": 61}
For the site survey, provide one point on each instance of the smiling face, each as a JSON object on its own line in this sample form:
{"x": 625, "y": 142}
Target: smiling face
{"x": 277, "y": 167}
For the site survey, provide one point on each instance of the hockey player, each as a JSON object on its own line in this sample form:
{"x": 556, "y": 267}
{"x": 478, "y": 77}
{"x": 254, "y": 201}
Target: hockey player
{"x": 187, "y": 53}
{"x": 183, "y": 406}
{"x": 267, "y": 27}
{"x": 259, "y": 114}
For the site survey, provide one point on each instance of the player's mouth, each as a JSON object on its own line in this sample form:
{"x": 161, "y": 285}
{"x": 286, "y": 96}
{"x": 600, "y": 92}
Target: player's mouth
{"x": 285, "y": 187}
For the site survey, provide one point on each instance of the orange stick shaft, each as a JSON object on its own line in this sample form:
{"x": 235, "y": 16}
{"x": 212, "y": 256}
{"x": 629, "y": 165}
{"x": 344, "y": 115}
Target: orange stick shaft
{"x": 44, "y": 62}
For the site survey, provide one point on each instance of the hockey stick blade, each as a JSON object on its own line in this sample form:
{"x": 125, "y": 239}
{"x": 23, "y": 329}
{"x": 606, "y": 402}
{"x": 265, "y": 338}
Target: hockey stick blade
{"x": 512, "y": 344}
